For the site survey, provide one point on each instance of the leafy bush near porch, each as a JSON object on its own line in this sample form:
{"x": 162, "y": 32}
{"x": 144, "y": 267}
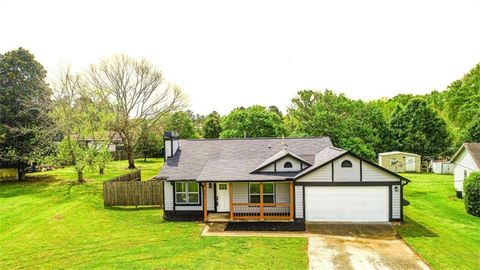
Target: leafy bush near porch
{"x": 471, "y": 188}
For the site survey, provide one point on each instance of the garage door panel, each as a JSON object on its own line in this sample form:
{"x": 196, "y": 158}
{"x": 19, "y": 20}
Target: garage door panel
{"x": 368, "y": 204}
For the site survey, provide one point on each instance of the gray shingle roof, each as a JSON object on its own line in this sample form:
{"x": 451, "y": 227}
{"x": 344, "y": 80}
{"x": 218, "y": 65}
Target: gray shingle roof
{"x": 323, "y": 157}
{"x": 235, "y": 159}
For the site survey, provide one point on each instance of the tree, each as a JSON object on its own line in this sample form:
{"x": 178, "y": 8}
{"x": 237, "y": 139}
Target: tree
{"x": 350, "y": 124}
{"x": 418, "y": 129}
{"x": 150, "y": 143}
{"x": 181, "y": 123}
{"x": 82, "y": 120}
{"x": 252, "y": 122}
{"x": 472, "y": 132}
{"x": 276, "y": 110}
{"x": 25, "y": 129}
{"x": 135, "y": 91}
{"x": 212, "y": 126}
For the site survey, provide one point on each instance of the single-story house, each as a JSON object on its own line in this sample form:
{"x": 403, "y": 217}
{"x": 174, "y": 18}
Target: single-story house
{"x": 262, "y": 179}
{"x": 397, "y": 161}
{"x": 441, "y": 167}
{"x": 466, "y": 160}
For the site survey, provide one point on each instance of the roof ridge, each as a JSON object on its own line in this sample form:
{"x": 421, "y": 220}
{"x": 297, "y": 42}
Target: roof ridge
{"x": 258, "y": 138}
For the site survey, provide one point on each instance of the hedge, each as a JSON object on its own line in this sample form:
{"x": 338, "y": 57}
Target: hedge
{"x": 471, "y": 190}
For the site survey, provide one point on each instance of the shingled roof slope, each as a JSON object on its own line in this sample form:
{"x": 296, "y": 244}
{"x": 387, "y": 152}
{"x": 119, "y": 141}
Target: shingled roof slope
{"x": 234, "y": 159}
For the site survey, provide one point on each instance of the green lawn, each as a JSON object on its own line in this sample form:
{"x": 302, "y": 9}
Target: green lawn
{"x": 51, "y": 222}
{"x": 437, "y": 226}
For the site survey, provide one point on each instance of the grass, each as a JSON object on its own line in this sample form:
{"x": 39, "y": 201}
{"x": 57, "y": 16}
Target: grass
{"x": 437, "y": 226}
{"x": 50, "y": 222}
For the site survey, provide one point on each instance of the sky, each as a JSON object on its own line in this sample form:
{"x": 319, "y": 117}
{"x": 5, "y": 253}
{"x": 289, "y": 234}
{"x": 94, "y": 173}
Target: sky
{"x": 225, "y": 54}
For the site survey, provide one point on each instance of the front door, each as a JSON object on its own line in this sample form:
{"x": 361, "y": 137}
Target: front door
{"x": 223, "y": 197}
{"x": 410, "y": 164}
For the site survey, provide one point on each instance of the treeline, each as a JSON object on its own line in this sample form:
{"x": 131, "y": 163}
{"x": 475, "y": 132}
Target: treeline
{"x": 74, "y": 119}
{"x": 433, "y": 125}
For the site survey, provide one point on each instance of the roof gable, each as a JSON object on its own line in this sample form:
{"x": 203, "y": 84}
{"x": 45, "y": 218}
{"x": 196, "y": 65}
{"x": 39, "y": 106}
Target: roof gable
{"x": 472, "y": 149}
{"x": 278, "y": 156}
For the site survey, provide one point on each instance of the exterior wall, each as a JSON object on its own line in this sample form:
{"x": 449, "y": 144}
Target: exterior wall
{"x": 323, "y": 174}
{"x": 169, "y": 199}
{"x": 442, "y": 168}
{"x": 299, "y": 202}
{"x": 282, "y": 192}
{"x": 396, "y": 202}
{"x": 210, "y": 197}
{"x": 464, "y": 164}
{"x": 296, "y": 165}
{"x": 384, "y": 161}
{"x": 168, "y": 146}
{"x": 346, "y": 174}
{"x": 8, "y": 173}
{"x": 373, "y": 174}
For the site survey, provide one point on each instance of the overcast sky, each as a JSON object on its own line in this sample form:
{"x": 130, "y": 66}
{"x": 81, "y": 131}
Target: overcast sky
{"x": 225, "y": 54}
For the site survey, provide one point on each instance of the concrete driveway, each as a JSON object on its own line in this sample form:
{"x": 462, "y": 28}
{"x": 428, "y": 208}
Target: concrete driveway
{"x": 359, "y": 246}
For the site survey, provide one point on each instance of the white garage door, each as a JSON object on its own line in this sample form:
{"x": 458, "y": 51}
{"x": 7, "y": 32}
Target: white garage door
{"x": 346, "y": 204}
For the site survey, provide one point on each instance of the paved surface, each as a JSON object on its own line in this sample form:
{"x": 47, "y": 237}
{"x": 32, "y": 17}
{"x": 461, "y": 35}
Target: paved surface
{"x": 345, "y": 246}
{"x": 359, "y": 246}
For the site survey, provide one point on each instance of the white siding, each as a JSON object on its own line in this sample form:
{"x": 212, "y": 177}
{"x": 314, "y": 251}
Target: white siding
{"x": 464, "y": 164}
{"x": 323, "y": 174}
{"x": 210, "y": 197}
{"x": 240, "y": 192}
{"x": 298, "y": 201}
{"x": 176, "y": 145}
{"x": 296, "y": 165}
{"x": 346, "y": 174}
{"x": 282, "y": 192}
{"x": 168, "y": 195}
{"x": 374, "y": 174}
{"x": 168, "y": 148}
{"x": 396, "y": 202}
{"x": 442, "y": 168}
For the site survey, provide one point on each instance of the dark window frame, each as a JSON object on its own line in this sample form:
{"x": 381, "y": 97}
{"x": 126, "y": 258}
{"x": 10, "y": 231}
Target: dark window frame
{"x": 187, "y": 193}
{"x": 287, "y": 165}
{"x": 273, "y": 194}
{"x": 346, "y": 164}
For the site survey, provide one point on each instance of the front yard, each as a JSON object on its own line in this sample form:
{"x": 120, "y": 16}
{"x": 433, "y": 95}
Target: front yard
{"x": 437, "y": 226}
{"x": 52, "y": 223}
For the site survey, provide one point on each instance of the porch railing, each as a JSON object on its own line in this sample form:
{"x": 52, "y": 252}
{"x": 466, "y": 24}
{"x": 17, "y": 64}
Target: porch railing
{"x": 261, "y": 211}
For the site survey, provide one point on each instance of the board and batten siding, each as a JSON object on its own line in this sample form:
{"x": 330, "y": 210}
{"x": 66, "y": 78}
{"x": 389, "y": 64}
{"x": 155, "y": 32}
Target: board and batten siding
{"x": 396, "y": 202}
{"x": 210, "y": 197}
{"x": 298, "y": 201}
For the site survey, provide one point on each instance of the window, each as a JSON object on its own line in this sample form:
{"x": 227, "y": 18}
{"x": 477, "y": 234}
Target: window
{"x": 222, "y": 186}
{"x": 465, "y": 174}
{"x": 393, "y": 161}
{"x": 346, "y": 164}
{"x": 287, "y": 165}
{"x": 268, "y": 192}
{"x": 187, "y": 192}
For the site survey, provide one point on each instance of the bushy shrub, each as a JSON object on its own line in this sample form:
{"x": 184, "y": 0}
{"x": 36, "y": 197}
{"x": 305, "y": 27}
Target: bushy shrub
{"x": 471, "y": 189}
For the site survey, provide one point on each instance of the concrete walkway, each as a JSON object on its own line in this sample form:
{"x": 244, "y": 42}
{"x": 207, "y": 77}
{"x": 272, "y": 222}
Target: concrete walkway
{"x": 345, "y": 246}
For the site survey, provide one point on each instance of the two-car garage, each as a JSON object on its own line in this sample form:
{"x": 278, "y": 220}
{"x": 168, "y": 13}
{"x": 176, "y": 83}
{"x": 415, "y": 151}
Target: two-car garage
{"x": 347, "y": 203}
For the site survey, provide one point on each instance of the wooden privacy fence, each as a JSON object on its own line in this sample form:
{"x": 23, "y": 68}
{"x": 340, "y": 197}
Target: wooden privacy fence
{"x": 133, "y": 192}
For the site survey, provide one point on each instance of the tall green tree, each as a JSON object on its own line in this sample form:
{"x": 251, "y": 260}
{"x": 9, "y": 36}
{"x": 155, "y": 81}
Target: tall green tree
{"x": 150, "y": 143}
{"x": 181, "y": 123}
{"x": 25, "y": 128}
{"x": 82, "y": 120}
{"x": 212, "y": 126}
{"x": 252, "y": 122}
{"x": 418, "y": 129}
{"x": 350, "y": 124}
{"x": 472, "y": 132}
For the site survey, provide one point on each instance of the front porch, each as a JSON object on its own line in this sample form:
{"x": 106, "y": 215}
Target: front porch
{"x": 253, "y": 201}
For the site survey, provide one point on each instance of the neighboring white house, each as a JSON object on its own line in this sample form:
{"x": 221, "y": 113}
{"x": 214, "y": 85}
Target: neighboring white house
{"x": 291, "y": 179}
{"x": 441, "y": 167}
{"x": 466, "y": 160}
